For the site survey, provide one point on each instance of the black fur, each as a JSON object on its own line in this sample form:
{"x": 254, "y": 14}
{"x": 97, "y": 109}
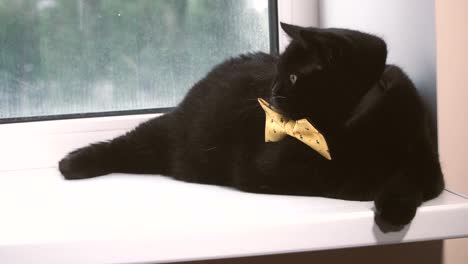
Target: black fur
{"x": 370, "y": 114}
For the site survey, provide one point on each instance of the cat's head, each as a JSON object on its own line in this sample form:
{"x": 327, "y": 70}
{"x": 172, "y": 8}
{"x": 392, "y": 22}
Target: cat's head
{"x": 323, "y": 73}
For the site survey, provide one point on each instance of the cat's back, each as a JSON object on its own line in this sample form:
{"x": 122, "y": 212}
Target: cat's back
{"x": 257, "y": 65}
{"x": 220, "y": 101}
{"x": 232, "y": 81}
{"x": 215, "y": 108}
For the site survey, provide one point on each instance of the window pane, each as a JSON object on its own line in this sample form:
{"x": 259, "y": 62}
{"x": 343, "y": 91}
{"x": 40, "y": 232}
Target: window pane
{"x": 81, "y": 56}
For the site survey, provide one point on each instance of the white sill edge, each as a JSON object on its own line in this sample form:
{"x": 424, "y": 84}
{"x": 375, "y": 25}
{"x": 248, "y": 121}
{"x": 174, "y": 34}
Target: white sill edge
{"x": 143, "y": 218}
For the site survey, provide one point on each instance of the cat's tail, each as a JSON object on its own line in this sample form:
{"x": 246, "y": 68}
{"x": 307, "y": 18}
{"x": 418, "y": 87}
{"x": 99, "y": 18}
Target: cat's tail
{"x": 144, "y": 150}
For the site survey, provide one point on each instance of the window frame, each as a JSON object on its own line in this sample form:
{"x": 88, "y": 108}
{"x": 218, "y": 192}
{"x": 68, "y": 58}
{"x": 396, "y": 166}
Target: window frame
{"x": 274, "y": 49}
{"x": 39, "y": 142}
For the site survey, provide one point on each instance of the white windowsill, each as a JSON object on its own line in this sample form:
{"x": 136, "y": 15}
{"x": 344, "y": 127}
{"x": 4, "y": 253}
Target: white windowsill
{"x": 131, "y": 218}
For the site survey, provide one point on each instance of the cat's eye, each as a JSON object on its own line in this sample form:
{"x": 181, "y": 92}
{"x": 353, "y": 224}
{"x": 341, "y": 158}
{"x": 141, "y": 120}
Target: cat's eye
{"x": 293, "y": 78}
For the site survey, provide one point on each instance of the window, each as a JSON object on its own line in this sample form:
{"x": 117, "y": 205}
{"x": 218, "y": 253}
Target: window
{"x": 93, "y": 56}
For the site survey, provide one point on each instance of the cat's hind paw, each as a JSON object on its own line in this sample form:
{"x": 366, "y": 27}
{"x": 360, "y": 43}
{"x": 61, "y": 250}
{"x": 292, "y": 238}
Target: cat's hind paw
{"x": 81, "y": 164}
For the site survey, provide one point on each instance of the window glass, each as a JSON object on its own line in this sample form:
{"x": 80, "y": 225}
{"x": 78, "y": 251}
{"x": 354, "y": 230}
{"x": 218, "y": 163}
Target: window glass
{"x": 82, "y": 56}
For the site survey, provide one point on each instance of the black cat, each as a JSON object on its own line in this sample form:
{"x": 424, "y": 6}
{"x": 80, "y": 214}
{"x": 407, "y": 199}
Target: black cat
{"x": 370, "y": 114}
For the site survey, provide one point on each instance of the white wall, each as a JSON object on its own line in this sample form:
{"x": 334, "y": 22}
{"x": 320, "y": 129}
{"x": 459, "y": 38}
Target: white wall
{"x": 296, "y": 12}
{"x": 408, "y": 27}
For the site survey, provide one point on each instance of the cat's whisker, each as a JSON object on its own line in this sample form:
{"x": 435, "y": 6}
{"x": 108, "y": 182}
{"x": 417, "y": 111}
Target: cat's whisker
{"x": 208, "y": 149}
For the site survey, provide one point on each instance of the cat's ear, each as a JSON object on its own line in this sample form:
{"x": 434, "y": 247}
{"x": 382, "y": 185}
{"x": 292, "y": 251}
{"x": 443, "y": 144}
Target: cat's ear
{"x": 307, "y": 37}
{"x": 293, "y": 31}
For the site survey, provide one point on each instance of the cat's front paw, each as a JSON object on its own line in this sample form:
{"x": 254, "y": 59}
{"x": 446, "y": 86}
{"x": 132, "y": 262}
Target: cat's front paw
{"x": 393, "y": 213}
{"x": 81, "y": 164}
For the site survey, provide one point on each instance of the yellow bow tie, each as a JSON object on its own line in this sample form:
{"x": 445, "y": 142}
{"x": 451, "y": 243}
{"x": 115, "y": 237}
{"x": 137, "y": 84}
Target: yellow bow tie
{"x": 277, "y": 127}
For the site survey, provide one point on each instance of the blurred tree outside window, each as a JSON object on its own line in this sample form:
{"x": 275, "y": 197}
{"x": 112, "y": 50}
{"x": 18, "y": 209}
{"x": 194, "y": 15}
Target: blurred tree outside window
{"x": 81, "y": 56}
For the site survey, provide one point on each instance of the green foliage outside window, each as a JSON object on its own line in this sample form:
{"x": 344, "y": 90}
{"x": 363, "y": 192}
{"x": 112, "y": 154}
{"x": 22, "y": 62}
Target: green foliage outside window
{"x": 78, "y": 56}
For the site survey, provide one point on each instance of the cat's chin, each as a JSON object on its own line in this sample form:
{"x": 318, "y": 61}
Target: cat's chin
{"x": 290, "y": 111}
{"x": 286, "y": 109}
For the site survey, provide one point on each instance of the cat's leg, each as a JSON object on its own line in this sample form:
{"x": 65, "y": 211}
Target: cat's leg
{"x": 397, "y": 203}
{"x": 420, "y": 179}
{"x": 146, "y": 149}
